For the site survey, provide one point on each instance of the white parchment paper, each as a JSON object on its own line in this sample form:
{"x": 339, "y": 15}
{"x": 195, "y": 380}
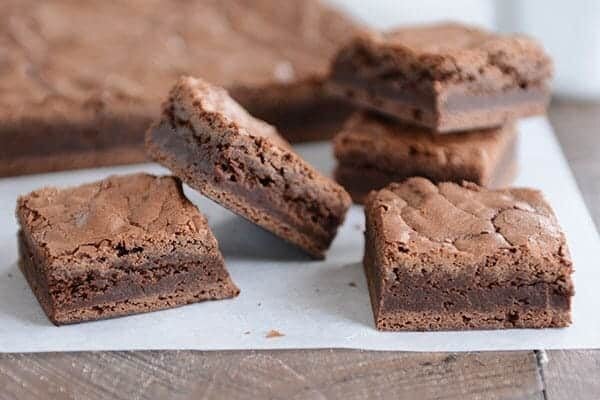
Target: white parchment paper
{"x": 313, "y": 304}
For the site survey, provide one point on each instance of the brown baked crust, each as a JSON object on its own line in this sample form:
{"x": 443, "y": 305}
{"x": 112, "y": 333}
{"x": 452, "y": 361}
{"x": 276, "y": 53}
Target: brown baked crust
{"x": 216, "y": 147}
{"x": 123, "y": 245}
{"x": 373, "y": 151}
{"x": 446, "y": 77}
{"x": 80, "y": 76}
{"x": 448, "y": 256}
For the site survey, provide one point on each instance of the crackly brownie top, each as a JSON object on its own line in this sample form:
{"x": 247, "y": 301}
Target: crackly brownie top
{"x": 195, "y": 100}
{"x": 384, "y": 142}
{"x": 68, "y": 57}
{"x": 416, "y": 217}
{"x": 450, "y": 52}
{"x": 111, "y": 215}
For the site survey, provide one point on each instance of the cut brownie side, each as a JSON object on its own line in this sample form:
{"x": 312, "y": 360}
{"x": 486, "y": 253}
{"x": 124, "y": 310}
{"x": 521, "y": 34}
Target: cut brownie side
{"x": 450, "y": 257}
{"x": 374, "y": 151}
{"x": 120, "y": 246}
{"x": 79, "y": 140}
{"x": 445, "y": 77}
{"x": 216, "y": 147}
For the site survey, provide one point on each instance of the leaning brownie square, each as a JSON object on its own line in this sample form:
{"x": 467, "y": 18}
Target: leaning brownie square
{"x": 123, "y": 245}
{"x": 455, "y": 257}
{"x": 215, "y": 146}
{"x": 373, "y": 151}
{"x": 445, "y": 77}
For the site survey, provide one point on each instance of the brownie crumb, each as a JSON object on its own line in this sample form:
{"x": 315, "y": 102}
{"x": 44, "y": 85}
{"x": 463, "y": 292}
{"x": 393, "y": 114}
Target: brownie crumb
{"x": 352, "y": 284}
{"x": 273, "y": 334}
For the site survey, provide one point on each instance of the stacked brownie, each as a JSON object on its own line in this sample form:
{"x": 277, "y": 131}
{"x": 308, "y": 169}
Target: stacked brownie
{"x": 441, "y": 102}
{"x": 442, "y": 251}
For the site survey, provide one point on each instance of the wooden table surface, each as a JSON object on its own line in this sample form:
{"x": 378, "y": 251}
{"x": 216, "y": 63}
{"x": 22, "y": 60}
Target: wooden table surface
{"x": 332, "y": 374}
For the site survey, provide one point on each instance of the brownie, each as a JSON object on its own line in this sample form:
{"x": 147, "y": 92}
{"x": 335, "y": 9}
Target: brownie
{"x": 208, "y": 140}
{"x": 373, "y": 151}
{"x": 454, "y": 257}
{"x": 445, "y": 77}
{"x": 81, "y": 81}
{"x": 123, "y": 245}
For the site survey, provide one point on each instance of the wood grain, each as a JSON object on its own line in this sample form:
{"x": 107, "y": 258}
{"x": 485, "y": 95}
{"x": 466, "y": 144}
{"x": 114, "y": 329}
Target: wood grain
{"x": 573, "y": 375}
{"x": 294, "y": 374}
{"x": 331, "y": 374}
{"x": 577, "y": 126}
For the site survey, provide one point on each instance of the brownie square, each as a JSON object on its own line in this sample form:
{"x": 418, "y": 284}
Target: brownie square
{"x": 210, "y": 142}
{"x": 454, "y": 257}
{"x": 83, "y": 80}
{"x": 123, "y": 245}
{"x": 373, "y": 151}
{"x": 445, "y": 77}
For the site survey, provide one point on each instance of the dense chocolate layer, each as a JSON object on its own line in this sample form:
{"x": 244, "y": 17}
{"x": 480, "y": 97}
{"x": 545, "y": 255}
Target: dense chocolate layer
{"x": 67, "y": 144}
{"x": 93, "y": 294}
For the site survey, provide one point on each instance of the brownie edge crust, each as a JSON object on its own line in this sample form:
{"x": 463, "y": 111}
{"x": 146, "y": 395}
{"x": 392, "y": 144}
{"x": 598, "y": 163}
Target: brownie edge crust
{"x": 459, "y": 257}
{"x": 120, "y": 246}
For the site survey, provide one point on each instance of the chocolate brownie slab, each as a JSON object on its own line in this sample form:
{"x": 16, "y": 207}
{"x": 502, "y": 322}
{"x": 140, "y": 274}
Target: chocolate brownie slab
{"x": 208, "y": 140}
{"x": 81, "y": 81}
{"x": 374, "y": 151}
{"x": 446, "y": 77}
{"x": 453, "y": 257}
{"x": 123, "y": 245}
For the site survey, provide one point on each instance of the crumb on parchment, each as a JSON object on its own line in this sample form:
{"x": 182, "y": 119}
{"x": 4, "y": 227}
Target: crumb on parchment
{"x": 273, "y": 334}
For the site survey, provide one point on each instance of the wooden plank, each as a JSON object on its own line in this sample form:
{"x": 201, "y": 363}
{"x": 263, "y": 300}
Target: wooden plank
{"x": 577, "y": 126}
{"x": 576, "y": 374}
{"x": 294, "y": 374}
{"x": 573, "y": 375}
